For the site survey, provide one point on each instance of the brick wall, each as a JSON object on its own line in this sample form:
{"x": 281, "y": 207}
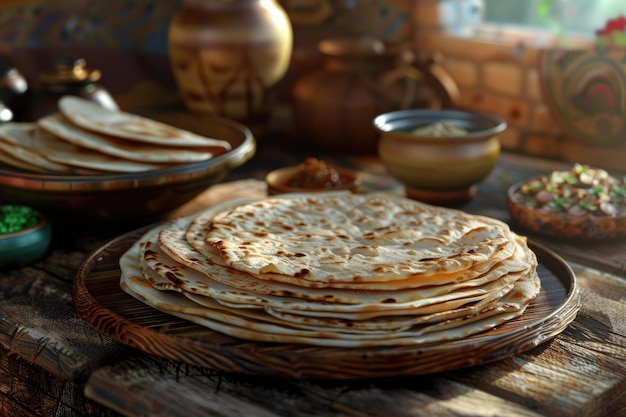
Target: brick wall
{"x": 499, "y": 73}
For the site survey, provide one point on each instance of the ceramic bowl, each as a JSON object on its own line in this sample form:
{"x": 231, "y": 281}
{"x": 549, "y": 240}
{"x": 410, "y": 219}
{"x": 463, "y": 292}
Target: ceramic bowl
{"x": 278, "y": 181}
{"x": 20, "y": 248}
{"x": 438, "y": 169}
{"x": 559, "y": 224}
{"x": 145, "y": 195}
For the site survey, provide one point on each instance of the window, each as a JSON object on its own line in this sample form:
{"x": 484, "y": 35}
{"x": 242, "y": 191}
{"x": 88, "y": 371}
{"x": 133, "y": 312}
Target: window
{"x": 576, "y": 17}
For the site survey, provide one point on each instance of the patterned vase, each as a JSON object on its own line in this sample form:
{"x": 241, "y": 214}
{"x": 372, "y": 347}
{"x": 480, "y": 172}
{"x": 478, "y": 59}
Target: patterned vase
{"x": 227, "y": 55}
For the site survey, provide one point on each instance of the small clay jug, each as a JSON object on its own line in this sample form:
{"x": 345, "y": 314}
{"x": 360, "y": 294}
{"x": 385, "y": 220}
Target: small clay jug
{"x": 227, "y": 55}
{"x": 334, "y": 106}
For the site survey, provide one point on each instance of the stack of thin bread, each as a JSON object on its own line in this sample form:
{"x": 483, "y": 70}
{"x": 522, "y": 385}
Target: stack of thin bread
{"x": 334, "y": 269}
{"x": 84, "y": 138}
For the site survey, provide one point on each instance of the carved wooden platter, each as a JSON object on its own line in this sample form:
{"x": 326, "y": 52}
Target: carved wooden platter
{"x": 100, "y": 301}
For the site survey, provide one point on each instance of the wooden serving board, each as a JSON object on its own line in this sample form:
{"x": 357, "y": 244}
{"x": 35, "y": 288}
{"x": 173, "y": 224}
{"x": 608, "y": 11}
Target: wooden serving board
{"x": 99, "y": 300}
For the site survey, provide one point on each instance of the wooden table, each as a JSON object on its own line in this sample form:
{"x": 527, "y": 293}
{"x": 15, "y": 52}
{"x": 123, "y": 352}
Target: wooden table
{"x": 54, "y": 364}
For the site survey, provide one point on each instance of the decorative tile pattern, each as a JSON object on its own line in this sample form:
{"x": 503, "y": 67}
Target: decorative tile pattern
{"x": 142, "y": 24}
{"x": 126, "y": 24}
{"x": 387, "y": 19}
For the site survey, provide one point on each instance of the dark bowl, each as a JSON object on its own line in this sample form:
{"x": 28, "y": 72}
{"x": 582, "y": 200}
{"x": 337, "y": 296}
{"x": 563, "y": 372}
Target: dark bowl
{"x": 145, "y": 195}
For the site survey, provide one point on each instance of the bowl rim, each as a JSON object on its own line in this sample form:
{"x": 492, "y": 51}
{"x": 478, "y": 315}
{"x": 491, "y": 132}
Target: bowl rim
{"x": 382, "y": 122}
{"x": 179, "y": 173}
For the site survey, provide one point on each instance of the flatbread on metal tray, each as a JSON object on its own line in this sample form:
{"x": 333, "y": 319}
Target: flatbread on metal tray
{"x": 165, "y": 273}
{"x": 355, "y": 239}
{"x": 84, "y": 138}
{"x": 94, "y": 118}
{"x": 59, "y": 126}
{"x": 483, "y": 276}
{"x": 64, "y": 152}
{"x": 247, "y": 325}
{"x": 20, "y": 141}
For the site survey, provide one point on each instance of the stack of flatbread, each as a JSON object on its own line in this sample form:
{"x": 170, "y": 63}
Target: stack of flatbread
{"x": 85, "y": 138}
{"x": 334, "y": 269}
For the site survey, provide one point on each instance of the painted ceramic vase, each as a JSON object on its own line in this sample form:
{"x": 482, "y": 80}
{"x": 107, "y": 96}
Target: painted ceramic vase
{"x": 227, "y": 55}
{"x": 362, "y": 77}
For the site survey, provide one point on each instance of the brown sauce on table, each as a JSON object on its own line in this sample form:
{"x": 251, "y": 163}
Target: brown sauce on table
{"x": 315, "y": 173}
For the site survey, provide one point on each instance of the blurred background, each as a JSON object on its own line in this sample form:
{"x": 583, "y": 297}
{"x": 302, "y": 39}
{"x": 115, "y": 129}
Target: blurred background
{"x": 494, "y": 50}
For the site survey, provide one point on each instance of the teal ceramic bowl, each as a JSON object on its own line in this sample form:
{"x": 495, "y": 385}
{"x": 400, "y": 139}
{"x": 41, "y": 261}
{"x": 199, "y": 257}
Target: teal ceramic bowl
{"x": 21, "y": 248}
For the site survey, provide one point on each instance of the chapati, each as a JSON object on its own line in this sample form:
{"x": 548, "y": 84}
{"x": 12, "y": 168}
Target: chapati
{"x": 8, "y": 159}
{"x": 19, "y": 140}
{"x": 353, "y": 238}
{"x": 461, "y": 274}
{"x": 59, "y": 126}
{"x": 228, "y": 321}
{"x": 216, "y": 282}
{"x": 64, "y": 152}
{"x": 94, "y": 118}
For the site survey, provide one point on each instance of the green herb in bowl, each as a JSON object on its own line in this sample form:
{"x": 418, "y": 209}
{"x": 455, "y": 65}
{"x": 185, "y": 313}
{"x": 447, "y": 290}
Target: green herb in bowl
{"x": 16, "y": 218}
{"x": 25, "y": 235}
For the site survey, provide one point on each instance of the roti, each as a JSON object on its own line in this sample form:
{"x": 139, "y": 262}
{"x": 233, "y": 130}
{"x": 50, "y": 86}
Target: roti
{"x": 244, "y": 325}
{"x": 59, "y": 126}
{"x": 20, "y": 140}
{"x": 217, "y": 283}
{"x": 459, "y": 274}
{"x": 174, "y": 241}
{"x": 345, "y": 238}
{"x": 8, "y": 159}
{"x": 64, "y": 152}
{"x": 196, "y": 233}
{"x": 94, "y": 118}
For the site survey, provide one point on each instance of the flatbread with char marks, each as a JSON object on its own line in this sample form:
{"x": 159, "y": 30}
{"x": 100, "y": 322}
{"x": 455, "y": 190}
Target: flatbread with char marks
{"x": 428, "y": 275}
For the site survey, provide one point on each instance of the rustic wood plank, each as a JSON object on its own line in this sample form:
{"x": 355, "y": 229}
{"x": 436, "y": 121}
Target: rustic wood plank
{"x": 198, "y": 393}
{"x": 579, "y": 373}
{"x": 28, "y": 390}
{"x": 40, "y": 323}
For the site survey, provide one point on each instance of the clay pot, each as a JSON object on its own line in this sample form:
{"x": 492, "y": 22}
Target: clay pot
{"x": 362, "y": 77}
{"x": 226, "y": 55}
{"x": 439, "y": 169}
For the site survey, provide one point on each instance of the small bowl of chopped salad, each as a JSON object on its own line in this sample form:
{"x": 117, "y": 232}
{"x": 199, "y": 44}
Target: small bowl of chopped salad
{"x": 25, "y": 235}
{"x": 582, "y": 203}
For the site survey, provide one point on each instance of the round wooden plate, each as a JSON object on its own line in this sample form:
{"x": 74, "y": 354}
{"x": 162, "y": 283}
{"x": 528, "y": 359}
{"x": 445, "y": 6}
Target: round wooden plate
{"x": 99, "y": 300}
